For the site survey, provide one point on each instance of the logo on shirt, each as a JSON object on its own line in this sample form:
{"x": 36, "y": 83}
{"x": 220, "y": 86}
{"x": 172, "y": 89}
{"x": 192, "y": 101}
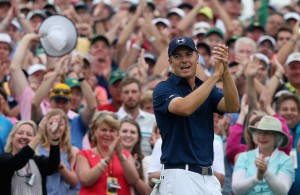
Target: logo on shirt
{"x": 169, "y": 97}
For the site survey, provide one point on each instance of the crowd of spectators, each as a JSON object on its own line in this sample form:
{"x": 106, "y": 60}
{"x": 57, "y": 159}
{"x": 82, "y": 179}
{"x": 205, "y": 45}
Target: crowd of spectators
{"x": 100, "y": 95}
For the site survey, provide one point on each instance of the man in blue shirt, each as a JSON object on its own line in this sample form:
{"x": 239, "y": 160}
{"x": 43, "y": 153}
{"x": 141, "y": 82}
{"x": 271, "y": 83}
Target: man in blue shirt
{"x": 184, "y": 107}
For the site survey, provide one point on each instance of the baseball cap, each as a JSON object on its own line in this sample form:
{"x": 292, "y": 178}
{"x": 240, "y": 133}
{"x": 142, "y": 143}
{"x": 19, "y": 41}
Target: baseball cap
{"x": 72, "y": 82}
{"x": 266, "y": 38}
{"x": 184, "y": 5}
{"x": 16, "y": 24}
{"x": 253, "y": 26}
{"x": 61, "y": 90}
{"x": 176, "y": 11}
{"x": 33, "y": 13}
{"x": 203, "y": 44}
{"x": 116, "y": 75}
{"x": 291, "y": 15}
{"x": 294, "y": 57}
{"x": 181, "y": 41}
{"x": 207, "y": 12}
{"x": 81, "y": 5}
{"x": 200, "y": 28}
{"x": 100, "y": 38}
{"x": 150, "y": 57}
{"x": 214, "y": 31}
{"x": 34, "y": 68}
{"x": 164, "y": 21}
{"x": 263, "y": 58}
{"x": 5, "y": 2}
{"x": 5, "y": 38}
{"x": 232, "y": 39}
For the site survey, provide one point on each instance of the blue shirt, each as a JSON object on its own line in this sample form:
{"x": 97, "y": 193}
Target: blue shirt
{"x": 186, "y": 140}
{"x": 56, "y": 184}
{"x": 5, "y": 127}
{"x": 78, "y": 130}
{"x": 295, "y": 189}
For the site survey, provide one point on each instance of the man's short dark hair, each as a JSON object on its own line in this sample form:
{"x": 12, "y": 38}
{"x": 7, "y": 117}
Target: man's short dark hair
{"x": 129, "y": 80}
{"x": 285, "y": 97}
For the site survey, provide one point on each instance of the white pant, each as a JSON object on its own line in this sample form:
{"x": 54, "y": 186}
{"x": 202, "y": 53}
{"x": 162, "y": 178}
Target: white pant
{"x": 183, "y": 182}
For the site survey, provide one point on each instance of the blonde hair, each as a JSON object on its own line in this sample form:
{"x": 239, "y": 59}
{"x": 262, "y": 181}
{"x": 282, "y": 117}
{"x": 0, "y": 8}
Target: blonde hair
{"x": 146, "y": 97}
{"x": 65, "y": 141}
{"x": 110, "y": 118}
{"x": 9, "y": 144}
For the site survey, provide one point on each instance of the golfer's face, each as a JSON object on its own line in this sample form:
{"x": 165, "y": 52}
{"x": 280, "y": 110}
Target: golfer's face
{"x": 184, "y": 62}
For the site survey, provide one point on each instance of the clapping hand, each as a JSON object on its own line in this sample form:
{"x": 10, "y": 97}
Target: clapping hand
{"x": 220, "y": 55}
{"x": 261, "y": 166}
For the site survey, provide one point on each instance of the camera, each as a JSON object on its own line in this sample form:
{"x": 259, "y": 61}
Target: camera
{"x": 30, "y": 178}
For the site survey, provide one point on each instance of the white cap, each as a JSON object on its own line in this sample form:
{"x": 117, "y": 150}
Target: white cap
{"x": 34, "y": 68}
{"x": 162, "y": 20}
{"x": 33, "y": 13}
{"x": 16, "y": 24}
{"x": 294, "y": 57}
{"x": 200, "y": 28}
{"x": 132, "y": 1}
{"x": 266, "y": 37}
{"x": 5, "y": 38}
{"x": 291, "y": 15}
{"x": 106, "y": 2}
{"x": 177, "y": 11}
{"x": 264, "y": 58}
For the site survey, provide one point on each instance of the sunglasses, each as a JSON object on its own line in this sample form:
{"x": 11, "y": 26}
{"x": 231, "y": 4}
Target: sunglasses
{"x": 61, "y": 91}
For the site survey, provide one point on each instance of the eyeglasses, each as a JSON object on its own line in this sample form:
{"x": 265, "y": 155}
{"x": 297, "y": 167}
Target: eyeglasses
{"x": 61, "y": 91}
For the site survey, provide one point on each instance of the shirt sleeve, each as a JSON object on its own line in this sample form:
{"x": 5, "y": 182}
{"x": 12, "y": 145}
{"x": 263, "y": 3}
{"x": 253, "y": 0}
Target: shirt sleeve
{"x": 218, "y": 163}
{"x": 162, "y": 96}
{"x": 155, "y": 165}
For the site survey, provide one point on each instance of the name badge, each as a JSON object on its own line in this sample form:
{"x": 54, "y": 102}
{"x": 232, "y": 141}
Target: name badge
{"x": 112, "y": 186}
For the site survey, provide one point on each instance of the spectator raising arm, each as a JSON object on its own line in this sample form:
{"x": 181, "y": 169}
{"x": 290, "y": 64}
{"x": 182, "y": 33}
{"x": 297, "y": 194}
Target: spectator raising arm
{"x": 18, "y": 78}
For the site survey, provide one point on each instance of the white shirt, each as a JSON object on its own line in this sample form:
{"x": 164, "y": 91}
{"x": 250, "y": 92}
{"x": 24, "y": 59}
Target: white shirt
{"x": 146, "y": 122}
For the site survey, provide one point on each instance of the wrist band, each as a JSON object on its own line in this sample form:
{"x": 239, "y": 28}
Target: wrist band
{"x": 100, "y": 167}
{"x": 81, "y": 79}
{"x": 152, "y": 39}
{"x": 136, "y": 46}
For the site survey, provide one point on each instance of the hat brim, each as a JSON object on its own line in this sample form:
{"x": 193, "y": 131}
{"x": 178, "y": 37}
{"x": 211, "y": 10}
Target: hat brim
{"x": 172, "y": 51}
{"x": 61, "y": 97}
{"x": 71, "y": 32}
{"x": 285, "y": 141}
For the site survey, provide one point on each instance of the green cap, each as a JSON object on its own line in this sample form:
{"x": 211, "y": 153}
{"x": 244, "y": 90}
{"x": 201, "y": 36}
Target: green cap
{"x": 72, "y": 82}
{"x": 214, "y": 31}
{"x": 116, "y": 75}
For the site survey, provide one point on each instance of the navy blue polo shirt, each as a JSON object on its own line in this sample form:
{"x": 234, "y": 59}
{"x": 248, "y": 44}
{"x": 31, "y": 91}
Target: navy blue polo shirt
{"x": 185, "y": 140}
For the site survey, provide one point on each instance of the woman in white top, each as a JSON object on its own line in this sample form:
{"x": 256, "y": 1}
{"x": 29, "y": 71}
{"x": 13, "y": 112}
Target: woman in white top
{"x": 264, "y": 170}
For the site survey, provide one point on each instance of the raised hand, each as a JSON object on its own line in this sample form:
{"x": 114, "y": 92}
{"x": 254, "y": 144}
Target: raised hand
{"x": 220, "y": 55}
{"x": 112, "y": 149}
{"x": 261, "y": 166}
{"x": 244, "y": 105}
{"x": 252, "y": 67}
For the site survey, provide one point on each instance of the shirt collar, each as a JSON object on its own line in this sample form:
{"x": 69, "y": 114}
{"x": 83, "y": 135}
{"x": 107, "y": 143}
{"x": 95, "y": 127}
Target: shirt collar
{"x": 269, "y": 158}
{"x": 176, "y": 79}
{"x": 122, "y": 113}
